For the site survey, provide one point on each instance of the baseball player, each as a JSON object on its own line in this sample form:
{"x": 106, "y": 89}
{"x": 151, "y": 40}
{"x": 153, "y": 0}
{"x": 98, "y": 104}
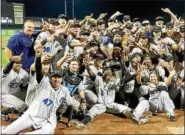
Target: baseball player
{"x": 46, "y": 61}
{"x": 73, "y": 81}
{"x": 180, "y": 84}
{"x": 14, "y": 84}
{"x": 89, "y": 85}
{"x": 159, "y": 101}
{"x": 106, "y": 88}
{"x": 41, "y": 114}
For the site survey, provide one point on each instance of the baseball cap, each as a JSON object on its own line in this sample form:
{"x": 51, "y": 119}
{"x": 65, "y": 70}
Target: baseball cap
{"x": 182, "y": 28}
{"x": 169, "y": 25}
{"x": 53, "y": 21}
{"x": 93, "y": 43}
{"x": 136, "y": 52}
{"x": 169, "y": 58}
{"x": 129, "y": 26}
{"x": 55, "y": 73}
{"x": 117, "y": 32}
{"x": 117, "y": 48}
{"x": 99, "y": 56}
{"x": 126, "y": 17}
{"x": 145, "y": 22}
{"x": 156, "y": 28}
{"x": 83, "y": 32}
{"x": 136, "y": 19}
{"x": 75, "y": 24}
{"x": 159, "y": 18}
{"x": 99, "y": 22}
{"x": 62, "y": 16}
{"x": 143, "y": 35}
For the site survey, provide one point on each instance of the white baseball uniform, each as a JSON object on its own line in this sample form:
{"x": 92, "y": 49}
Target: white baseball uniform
{"x": 41, "y": 113}
{"x": 106, "y": 96}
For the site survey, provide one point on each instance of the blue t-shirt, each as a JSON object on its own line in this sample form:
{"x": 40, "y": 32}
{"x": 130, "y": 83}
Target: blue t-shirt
{"x": 21, "y": 43}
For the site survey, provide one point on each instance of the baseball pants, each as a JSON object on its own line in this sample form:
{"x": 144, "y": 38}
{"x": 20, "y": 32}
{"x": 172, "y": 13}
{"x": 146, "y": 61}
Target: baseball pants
{"x": 90, "y": 97}
{"x": 25, "y": 122}
{"x": 161, "y": 104}
{"x": 11, "y": 101}
{"x": 111, "y": 107}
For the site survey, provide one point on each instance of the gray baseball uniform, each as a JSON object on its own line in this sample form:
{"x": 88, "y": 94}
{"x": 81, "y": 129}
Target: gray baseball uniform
{"x": 11, "y": 89}
{"x": 50, "y": 47}
{"x": 159, "y": 101}
{"x": 145, "y": 78}
{"x": 106, "y": 96}
{"x": 89, "y": 86}
{"x": 41, "y": 113}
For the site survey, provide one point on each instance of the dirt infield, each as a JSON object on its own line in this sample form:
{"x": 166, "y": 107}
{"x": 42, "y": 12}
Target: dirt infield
{"x": 110, "y": 124}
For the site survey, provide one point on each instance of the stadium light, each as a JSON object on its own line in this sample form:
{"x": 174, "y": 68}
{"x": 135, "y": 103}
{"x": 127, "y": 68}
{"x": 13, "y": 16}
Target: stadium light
{"x": 73, "y": 9}
{"x": 65, "y": 4}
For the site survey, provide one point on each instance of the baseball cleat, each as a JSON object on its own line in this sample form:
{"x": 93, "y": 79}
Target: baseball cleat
{"x": 143, "y": 121}
{"x": 80, "y": 125}
{"x": 5, "y": 117}
{"x": 172, "y": 118}
{"x": 140, "y": 121}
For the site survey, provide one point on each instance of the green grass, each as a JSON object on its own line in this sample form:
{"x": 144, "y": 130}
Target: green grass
{"x": 3, "y": 58}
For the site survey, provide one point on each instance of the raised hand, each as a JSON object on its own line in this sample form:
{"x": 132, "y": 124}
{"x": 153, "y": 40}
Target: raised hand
{"x": 39, "y": 52}
{"x": 102, "y": 16}
{"x": 166, "y": 10}
{"x": 88, "y": 17}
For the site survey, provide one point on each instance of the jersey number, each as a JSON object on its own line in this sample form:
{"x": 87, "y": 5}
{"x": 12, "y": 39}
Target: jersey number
{"x": 47, "y": 102}
{"x": 47, "y": 49}
{"x": 13, "y": 85}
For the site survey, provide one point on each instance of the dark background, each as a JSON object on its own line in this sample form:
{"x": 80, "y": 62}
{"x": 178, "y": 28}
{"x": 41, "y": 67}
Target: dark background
{"x": 142, "y": 9}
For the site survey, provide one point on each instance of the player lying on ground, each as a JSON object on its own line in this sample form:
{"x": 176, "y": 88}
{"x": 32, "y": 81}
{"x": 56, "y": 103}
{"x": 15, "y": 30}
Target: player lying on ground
{"x": 41, "y": 114}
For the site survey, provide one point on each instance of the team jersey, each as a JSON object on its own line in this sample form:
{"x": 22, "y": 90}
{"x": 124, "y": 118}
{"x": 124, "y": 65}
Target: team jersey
{"x": 31, "y": 91}
{"x": 106, "y": 91}
{"x": 12, "y": 81}
{"x": 50, "y": 47}
{"x": 129, "y": 86}
{"x": 46, "y": 102}
{"x": 154, "y": 92}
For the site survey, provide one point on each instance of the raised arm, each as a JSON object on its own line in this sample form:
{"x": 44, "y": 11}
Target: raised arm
{"x": 168, "y": 11}
{"x": 9, "y": 66}
{"x": 116, "y": 15}
{"x": 38, "y": 65}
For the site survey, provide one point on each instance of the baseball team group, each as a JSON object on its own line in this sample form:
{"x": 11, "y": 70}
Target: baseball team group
{"x": 81, "y": 69}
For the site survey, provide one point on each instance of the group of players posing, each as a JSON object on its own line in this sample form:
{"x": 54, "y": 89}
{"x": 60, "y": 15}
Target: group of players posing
{"x": 85, "y": 69}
